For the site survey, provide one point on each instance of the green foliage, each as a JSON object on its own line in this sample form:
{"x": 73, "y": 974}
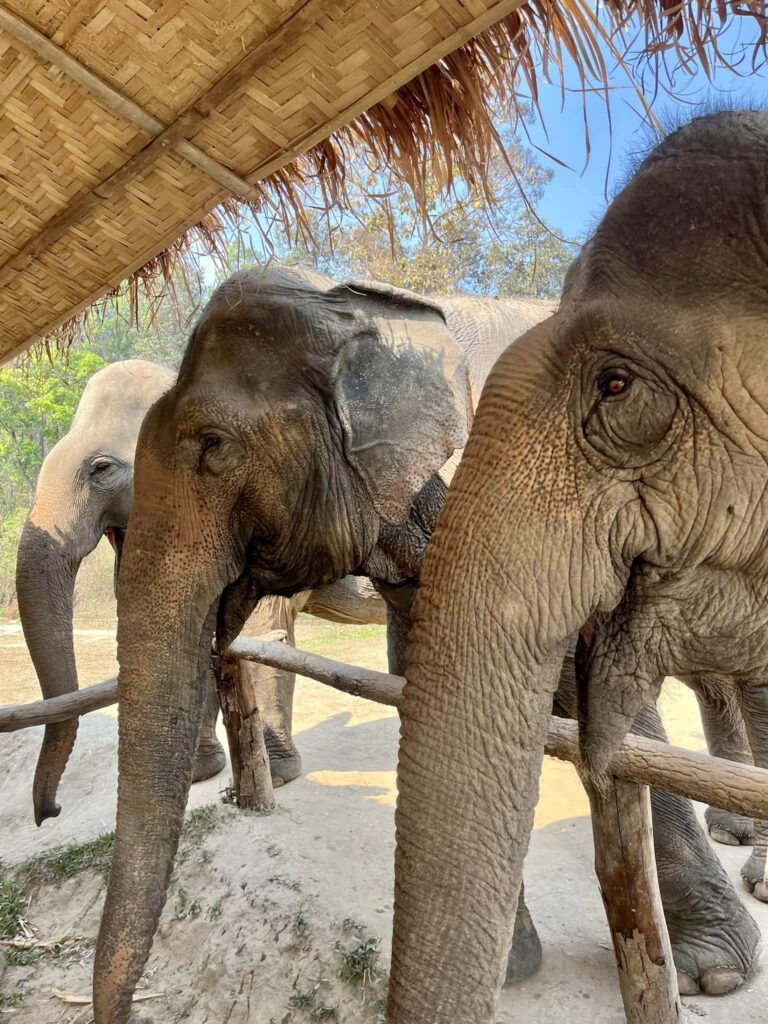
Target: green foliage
{"x": 460, "y": 246}
{"x": 359, "y": 963}
{"x": 307, "y": 1001}
{"x": 184, "y": 907}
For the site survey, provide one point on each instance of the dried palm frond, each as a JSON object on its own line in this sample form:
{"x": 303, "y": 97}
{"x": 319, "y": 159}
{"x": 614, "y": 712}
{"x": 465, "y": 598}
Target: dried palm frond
{"x": 440, "y": 127}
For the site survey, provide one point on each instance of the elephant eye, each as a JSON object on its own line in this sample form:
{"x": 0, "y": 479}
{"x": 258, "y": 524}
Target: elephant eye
{"x": 209, "y": 442}
{"x": 613, "y": 383}
{"x": 218, "y": 453}
{"x": 100, "y": 466}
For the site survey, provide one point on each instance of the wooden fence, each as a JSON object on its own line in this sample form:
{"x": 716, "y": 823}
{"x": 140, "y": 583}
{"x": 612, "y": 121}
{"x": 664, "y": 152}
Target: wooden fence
{"x": 621, "y": 816}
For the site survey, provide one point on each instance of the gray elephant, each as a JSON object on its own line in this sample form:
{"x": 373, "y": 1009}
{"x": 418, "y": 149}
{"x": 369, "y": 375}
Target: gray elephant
{"x": 85, "y": 491}
{"x": 303, "y": 441}
{"x": 646, "y": 399}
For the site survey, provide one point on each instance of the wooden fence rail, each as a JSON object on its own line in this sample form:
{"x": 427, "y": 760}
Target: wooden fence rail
{"x": 621, "y": 820}
{"x": 735, "y": 787}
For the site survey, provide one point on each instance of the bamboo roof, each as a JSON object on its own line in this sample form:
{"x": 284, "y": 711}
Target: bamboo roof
{"x": 125, "y": 123}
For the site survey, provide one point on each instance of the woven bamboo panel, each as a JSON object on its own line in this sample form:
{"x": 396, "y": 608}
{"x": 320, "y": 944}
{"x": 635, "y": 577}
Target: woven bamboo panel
{"x": 315, "y": 64}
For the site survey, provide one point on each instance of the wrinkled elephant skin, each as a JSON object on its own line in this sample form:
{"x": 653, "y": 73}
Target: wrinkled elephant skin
{"x": 644, "y": 403}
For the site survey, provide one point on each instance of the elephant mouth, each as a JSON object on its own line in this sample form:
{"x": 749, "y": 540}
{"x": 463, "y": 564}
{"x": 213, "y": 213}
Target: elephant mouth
{"x": 115, "y": 535}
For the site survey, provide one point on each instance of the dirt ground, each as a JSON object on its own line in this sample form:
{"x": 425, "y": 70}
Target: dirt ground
{"x": 275, "y": 901}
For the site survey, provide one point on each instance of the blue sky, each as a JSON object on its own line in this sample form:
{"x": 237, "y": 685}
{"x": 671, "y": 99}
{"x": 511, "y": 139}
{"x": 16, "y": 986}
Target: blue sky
{"x": 576, "y": 197}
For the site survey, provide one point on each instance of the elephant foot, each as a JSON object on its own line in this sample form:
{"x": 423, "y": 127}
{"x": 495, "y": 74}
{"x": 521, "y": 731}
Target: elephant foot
{"x": 525, "y": 956}
{"x": 715, "y": 941}
{"x": 284, "y": 765}
{"x": 209, "y": 761}
{"x": 754, "y": 876}
{"x": 729, "y": 829}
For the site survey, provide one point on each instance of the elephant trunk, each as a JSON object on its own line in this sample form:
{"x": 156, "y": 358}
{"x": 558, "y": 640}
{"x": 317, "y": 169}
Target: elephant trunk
{"x": 509, "y": 577}
{"x": 166, "y": 613}
{"x": 46, "y": 569}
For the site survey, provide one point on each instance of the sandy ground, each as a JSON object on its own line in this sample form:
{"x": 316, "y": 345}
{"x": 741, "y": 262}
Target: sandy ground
{"x": 274, "y": 892}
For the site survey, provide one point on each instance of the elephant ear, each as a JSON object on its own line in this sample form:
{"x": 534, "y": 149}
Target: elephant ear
{"x": 402, "y": 391}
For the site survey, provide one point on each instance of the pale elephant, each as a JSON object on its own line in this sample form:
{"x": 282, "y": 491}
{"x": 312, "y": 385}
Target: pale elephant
{"x": 645, "y": 402}
{"x": 84, "y": 491}
{"x": 303, "y": 441}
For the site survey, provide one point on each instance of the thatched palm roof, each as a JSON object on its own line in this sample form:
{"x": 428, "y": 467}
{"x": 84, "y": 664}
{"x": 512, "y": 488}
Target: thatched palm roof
{"x": 125, "y": 123}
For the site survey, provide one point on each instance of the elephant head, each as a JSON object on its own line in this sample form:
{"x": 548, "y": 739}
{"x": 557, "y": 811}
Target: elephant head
{"x": 84, "y": 491}
{"x": 616, "y": 478}
{"x": 305, "y": 419}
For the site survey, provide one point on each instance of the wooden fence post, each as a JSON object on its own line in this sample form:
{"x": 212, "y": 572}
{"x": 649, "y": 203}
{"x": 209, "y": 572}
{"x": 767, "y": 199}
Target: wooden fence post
{"x": 626, "y": 870}
{"x": 251, "y": 777}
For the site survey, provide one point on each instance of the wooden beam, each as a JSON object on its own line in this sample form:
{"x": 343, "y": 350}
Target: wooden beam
{"x": 59, "y": 709}
{"x": 175, "y": 136}
{"x": 124, "y": 107}
{"x": 165, "y": 136}
{"x": 359, "y": 682}
{"x": 740, "y": 788}
{"x": 625, "y": 864}
{"x": 251, "y": 776}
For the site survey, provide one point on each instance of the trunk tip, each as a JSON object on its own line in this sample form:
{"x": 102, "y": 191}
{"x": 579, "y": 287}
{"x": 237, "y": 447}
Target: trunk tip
{"x": 596, "y": 763}
{"x": 45, "y": 807}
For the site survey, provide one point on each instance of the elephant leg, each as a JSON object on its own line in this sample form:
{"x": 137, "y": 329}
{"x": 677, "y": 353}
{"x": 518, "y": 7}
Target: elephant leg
{"x": 754, "y": 706}
{"x": 274, "y": 687}
{"x": 525, "y": 956}
{"x": 726, "y": 736}
{"x": 715, "y": 941}
{"x": 210, "y": 757}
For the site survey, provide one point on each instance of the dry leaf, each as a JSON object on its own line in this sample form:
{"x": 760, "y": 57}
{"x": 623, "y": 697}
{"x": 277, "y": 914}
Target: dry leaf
{"x": 75, "y": 1000}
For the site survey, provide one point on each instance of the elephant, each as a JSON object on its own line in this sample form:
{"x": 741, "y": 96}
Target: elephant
{"x": 85, "y": 491}
{"x": 644, "y": 398}
{"x": 311, "y": 434}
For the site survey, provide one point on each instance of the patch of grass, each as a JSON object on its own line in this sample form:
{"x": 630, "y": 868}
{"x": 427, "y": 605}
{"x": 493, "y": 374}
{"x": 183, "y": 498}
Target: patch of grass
{"x": 307, "y": 1001}
{"x": 56, "y": 866}
{"x": 335, "y": 633}
{"x": 185, "y": 907}
{"x": 378, "y": 1007}
{"x": 198, "y": 825}
{"x": 359, "y": 964}
{"x": 350, "y": 926}
{"x": 299, "y": 923}
{"x": 12, "y": 904}
{"x": 10, "y": 1001}
{"x": 301, "y": 1000}
{"x": 22, "y": 957}
{"x": 64, "y": 862}
{"x": 214, "y": 911}
{"x": 324, "y": 1012}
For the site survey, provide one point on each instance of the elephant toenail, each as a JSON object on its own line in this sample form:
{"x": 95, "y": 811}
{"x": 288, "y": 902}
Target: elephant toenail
{"x": 688, "y": 986}
{"x": 719, "y": 980}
